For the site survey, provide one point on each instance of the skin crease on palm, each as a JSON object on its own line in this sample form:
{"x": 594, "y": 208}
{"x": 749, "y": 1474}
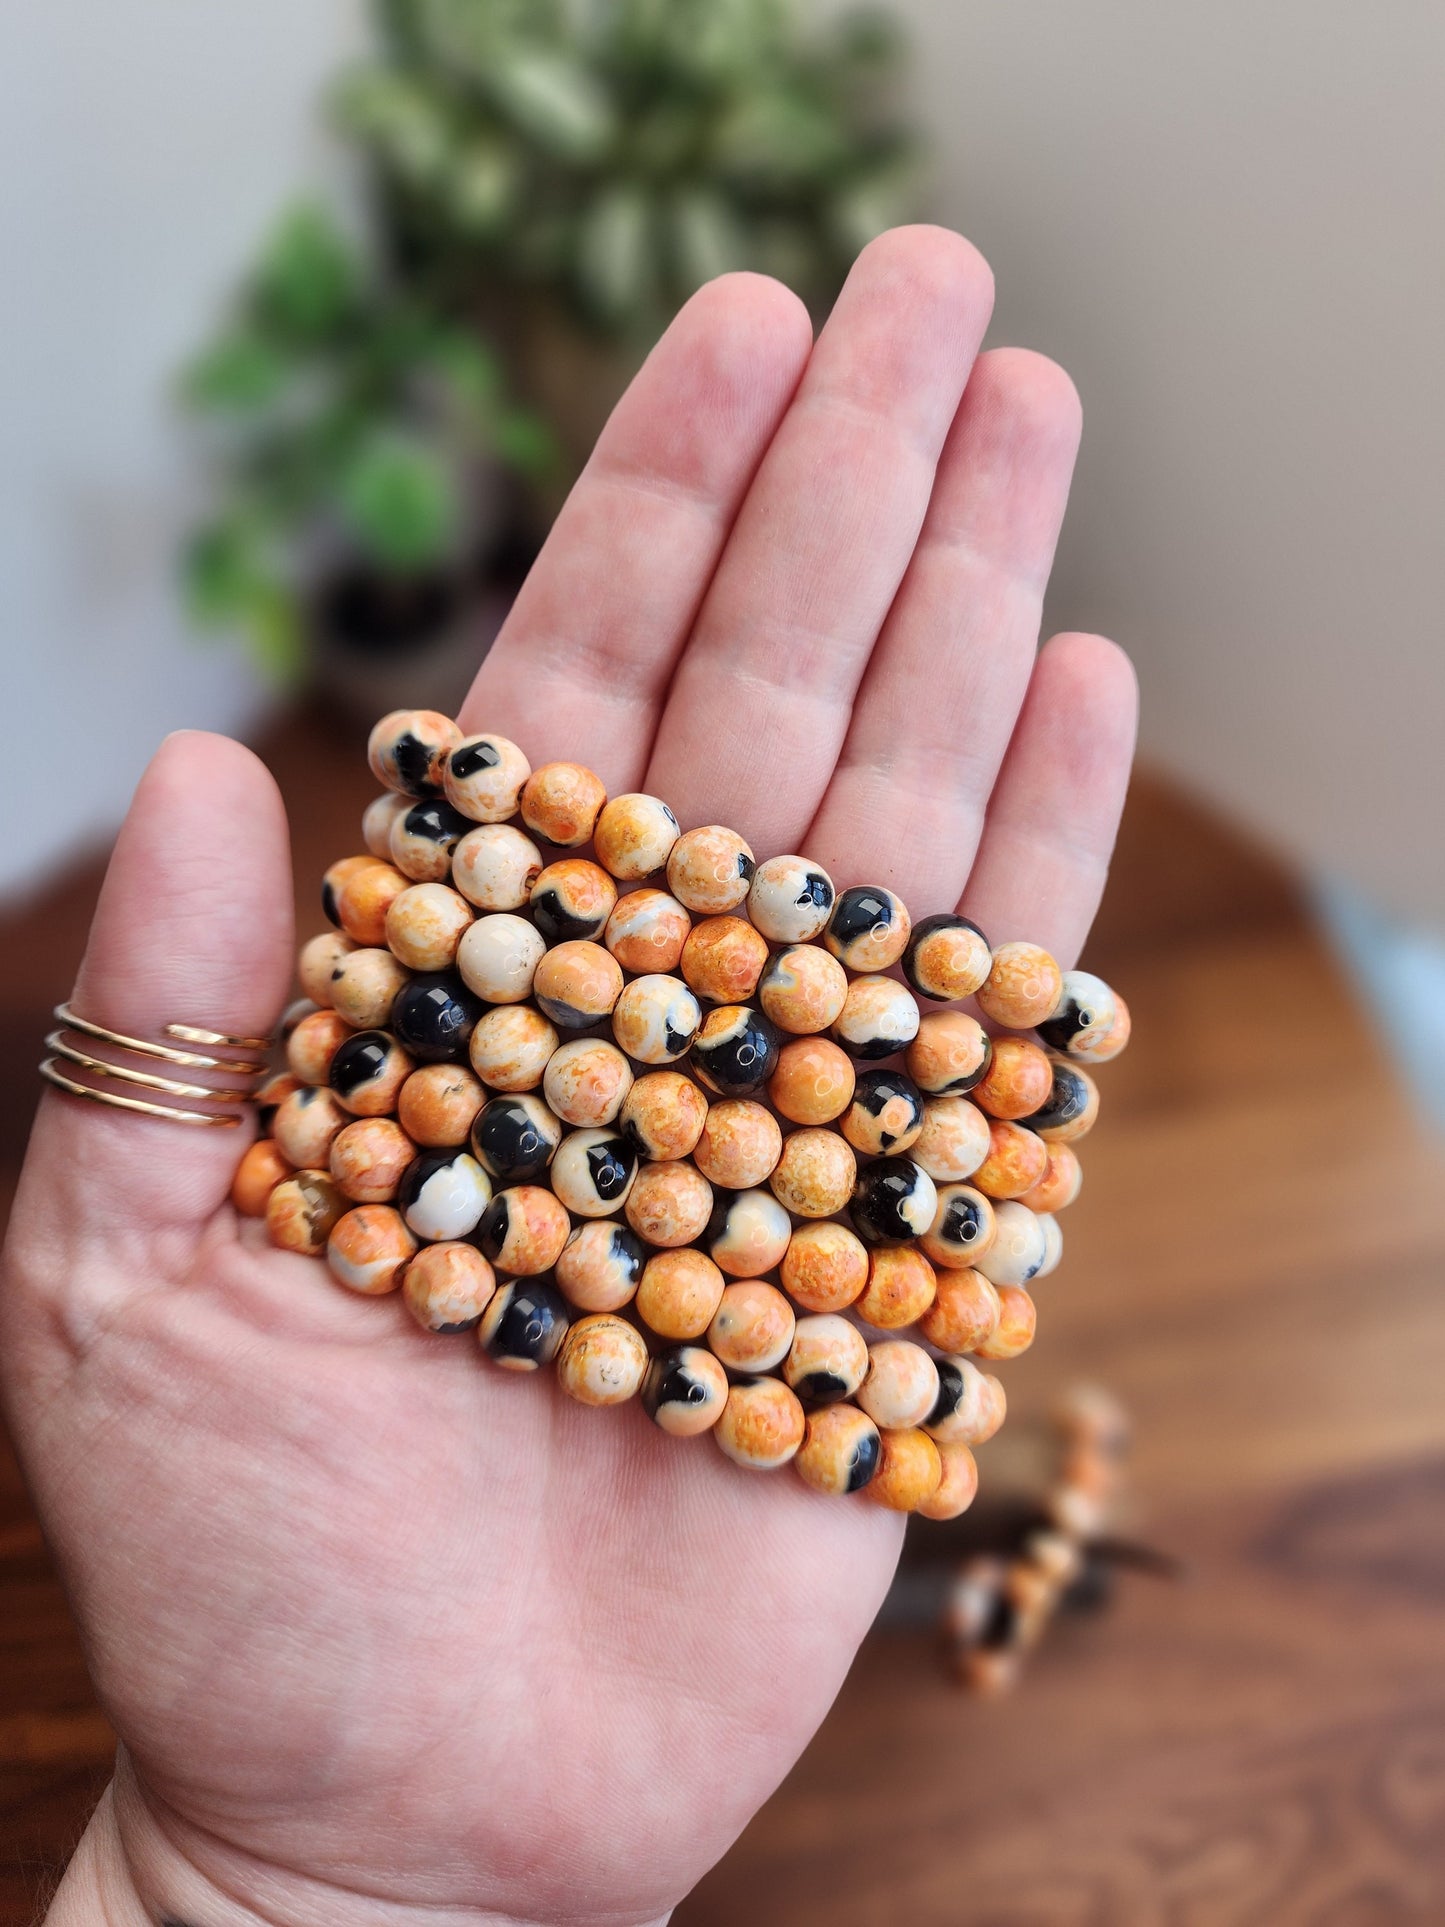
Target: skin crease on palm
{"x": 389, "y": 1636}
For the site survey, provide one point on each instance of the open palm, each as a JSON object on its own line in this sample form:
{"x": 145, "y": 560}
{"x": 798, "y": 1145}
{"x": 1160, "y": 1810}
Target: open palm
{"x": 389, "y": 1635}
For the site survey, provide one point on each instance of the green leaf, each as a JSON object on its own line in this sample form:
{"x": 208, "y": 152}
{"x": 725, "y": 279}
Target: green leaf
{"x": 482, "y": 186}
{"x": 871, "y": 202}
{"x": 307, "y": 277}
{"x": 615, "y": 264}
{"x": 221, "y": 565}
{"x": 780, "y": 139}
{"x": 707, "y": 238}
{"x": 554, "y": 100}
{"x": 240, "y": 373}
{"x": 399, "y": 500}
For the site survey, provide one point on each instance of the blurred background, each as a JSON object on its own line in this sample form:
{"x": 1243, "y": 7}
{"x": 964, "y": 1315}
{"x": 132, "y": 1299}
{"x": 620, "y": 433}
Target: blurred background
{"x": 312, "y": 314}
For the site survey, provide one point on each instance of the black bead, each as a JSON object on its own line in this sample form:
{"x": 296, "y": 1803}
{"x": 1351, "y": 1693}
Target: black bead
{"x": 879, "y": 1197}
{"x": 864, "y": 1462}
{"x": 1067, "y": 1100}
{"x": 434, "y": 1016}
{"x": 509, "y": 1142}
{"x": 360, "y": 1061}
{"x": 525, "y": 1323}
{"x": 857, "y": 912}
{"x": 738, "y": 1060}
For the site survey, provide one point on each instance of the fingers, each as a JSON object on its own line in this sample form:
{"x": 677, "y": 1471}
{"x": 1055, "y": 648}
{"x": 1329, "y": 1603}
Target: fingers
{"x": 582, "y": 663}
{"x": 761, "y": 700}
{"x": 194, "y": 926}
{"x": 944, "y": 686}
{"x": 1055, "y": 812}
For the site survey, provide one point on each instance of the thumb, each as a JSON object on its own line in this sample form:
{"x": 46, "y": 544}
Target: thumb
{"x": 193, "y": 926}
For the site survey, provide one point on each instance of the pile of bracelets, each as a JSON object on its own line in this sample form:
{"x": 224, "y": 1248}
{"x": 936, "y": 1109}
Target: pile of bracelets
{"x": 691, "y": 1143}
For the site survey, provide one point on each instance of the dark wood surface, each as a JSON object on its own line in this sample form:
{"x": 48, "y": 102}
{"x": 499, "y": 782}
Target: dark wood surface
{"x": 1255, "y": 1267}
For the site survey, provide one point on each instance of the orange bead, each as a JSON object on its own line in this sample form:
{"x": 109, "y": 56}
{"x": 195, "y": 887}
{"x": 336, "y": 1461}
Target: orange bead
{"x": 1023, "y": 988}
{"x": 448, "y": 1286}
{"x": 825, "y": 1267}
{"x": 369, "y": 1249}
{"x": 438, "y": 1104}
{"x": 1018, "y": 1079}
{"x": 957, "y": 1488}
{"x": 363, "y": 900}
{"x": 909, "y": 1471}
{"x": 902, "y": 1284}
{"x": 815, "y": 1175}
{"x": 369, "y": 1158}
{"x": 302, "y": 1211}
{"x": 603, "y": 1360}
{"x": 679, "y": 1292}
{"x": 965, "y": 1312}
{"x": 740, "y": 1144}
{"x": 1059, "y": 1186}
{"x": 669, "y": 1204}
{"x": 257, "y": 1175}
{"x": 1018, "y": 1317}
{"x": 814, "y": 1081}
{"x": 752, "y": 1328}
{"x": 950, "y": 1053}
{"x": 723, "y": 959}
{"x": 646, "y": 932}
{"x": 561, "y": 802}
{"x": 1016, "y": 1161}
{"x": 762, "y": 1424}
{"x": 314, "y": 1042}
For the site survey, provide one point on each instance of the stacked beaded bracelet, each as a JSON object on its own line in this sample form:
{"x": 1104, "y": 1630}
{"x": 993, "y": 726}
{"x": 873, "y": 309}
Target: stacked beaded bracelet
{"x": 734, "y": 1204}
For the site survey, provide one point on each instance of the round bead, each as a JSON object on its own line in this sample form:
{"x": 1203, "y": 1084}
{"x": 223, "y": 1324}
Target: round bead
{"x": 306, "y": 1125}
{"x": 257, "y": 1175}
{"x": 561, "y": 802}
{"x": 1022, "y": 988}
{"x": 1014, "y": 1332}
{"x": 377, "y": 819}
{"x": 634, "y": 836}
{"x": 443, "y": 1195}
{"x": 894, "y": 1200}
{"x": 814, "y": 1081}
{"x": 1053, "y": 1245}
{"x": 593, "y": 1172}
{"x": 483, "y": 778}
{"x": 752, "y": 1327}
{"x": 1018, "y": 1249}
{"x": 669, "y": 1204}
{"x": 318, "y": 959}
{"x": 685, "y": 1391}
{"x": 586, "y": 1081}
{"x": 408, "y": 749}
{"x": 302, "y": 1212}
{"x": 601, "y": 1266}
{"x": 1071, "y": 1108}
{"x": 791, "y": 899}
{"x": 1016, "y": 1161}
{"x": 736, "y": 1050}
{"x": 970, "y": 1405}
{"x": 369, "y": 1249}
{"x": 723, "y": 959}
{"x": 663, "y": 1115}
{"x": 957, "y": 1488}
{"x": 515, "y": 1138}
{"x": 954, "y": 1140}
{"x": 950, "y": 1053}
{"x": 1017, "y": 1081}
{"x": 447, "y": 1287}
{"x": 901, "y": 1385}
{"x": 803, "y": 989}
{"x": 602, "y": 1360}
{"x": 886, "y": 1115}
{"x": 369, "y": 1158}
{"x": 312, "y": 1046}
{"x": 964, "y": 1313}
{"x": 364, "y": 902}
{"x": 740, "y": 1144}
{"x": 368, "y": 1071}
{"x": 423, "y": 838}
{"x": 947, "y": 958}
{"x": 709, "y": 870}
{"x": 748, "y": 1233}
{"x": 963, "y": 1229}
{"x": 337, "y": 875}
{"x": 1103, "y": 1049}
{"x": 495, "y": 867}
{"x": 762, "y": 1424}
{"x": 499, "y": 957}
{"x": 646, "y": 932}
{"x": 815, "y": 1175}
{"x": 572, "y": 901}
{"x": 840, "y": 1450}
{"x": 878, "y": 1018}
{"x": 523, "y": 1230}
{"x": 578, "y": 984}
{"x": 901, "y": 1286}
{"x": 523, "y": 1325}
{"x": 869, "y": 928}
{"x": 1083, "y": 1016}
{"x": 1060, "y": 1184}
{"x": 511, "y": 1047}
{"x": 656, "y": 1019}
{"x": 678, "y": 1293}
{"x": 293, "y": 1015}
{"x": 434, "y": 1017}
{"x": 271, "y": 1094}
{"x": 825, "y": 1267}
{"x": 424, "y": 926}
{"x": 909, "y": 1471}
{"x": 438, "y": 1105}
{"x": 827, "y": 1359}
{"x": 364, "y": 985}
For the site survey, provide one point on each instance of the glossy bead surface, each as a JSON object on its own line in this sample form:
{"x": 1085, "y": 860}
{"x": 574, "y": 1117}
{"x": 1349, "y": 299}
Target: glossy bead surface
{"x": 423, "y": 838}
{"x": 318, "y": 958}
{"x": 434, "y": 1017}
{"x": 827, "y": 1360}
{"x": 270, "y": 1094}
{"x": 1083, "y": 1016}
{"x": 1016, "y": 1160}
{"x": 368, "y": 1071}
{"x": 964, "y": 1312}
{"x": 840, "y": 1450}
{"x": 970, "y": 1406}
{"x": 634, "y": 836}
{"x": 302, "y": 1212}
{"x": 261, "y": 1169}
{"x": 723, "y": 960}
{"x": 377, "y": 818}
{"x": 443, "y": 1194}
{"x": 646, "y": 932}
{"x": 685, "y": 1391}
{"x": 1014, "y": 1333}
{"x": 523, "y": 1230}
{"x": 511, "y": 1047}
{"x": 306, "y": 1125}
{"x": 1017, "y": 1081}
{"x": 424, "y": 926}
{"x": 312, "y": 1046}
{"x": 803, "y": 989}
{"x": 663, "y": 1115}
{"x": 886, "y": 1115}
{"x": 523, "y": 1325}
{"x": 515, "y": 1137}
{"x": 740, "y": 1144}
{"x": 561, "y": 803}
{"x": 593, "y": 1172}
{"x": 572, "y": 901}
{"x": 954, "y": 1140}
{"x": 438, "y": 1105}
{"x": 709, "y": 870}
{"x": 483, "y": 777}
{"x": 1022, "y": 988}
{"x": 577, "y": 984}
{"x": 735, "y": 1051}
{"x": 878, "y": 1018}
{"x": 602, "y": 1360}
{"x": 292, "y": 1016}
{"x": 447, "y": 1287}
{"x": 950, "y": 1053}
{"x": 499, "y": 956}
{"x": 656, "y": 1019}
{"x": 790, "y": 899}
{"x": 495, "y": 867}
{"x": 910, "y": 1471}
{"x": 762, "y": 1424}
{"x": 587, "y": 1081}
{"x": 900, "y": 1387}
{"x": 1071, "y": 1108}
{"x": 600, "y": 1266}
{"x": 369, "y": 1249}
{"x": 752, "y": 1328}
{"x": 748, "y": 1234}
{"x": 364, "y": 985}
{"x": 963, "y": 1228}
{"x": 369, "y": 1158}
{"x": 669, "y": 1204}
{"x": 825, "y": 1267}
{"x": 894, "y": 1200}
{"x": 678, "y": 1293}
{"x": 1104, "y": 1049}
{"x": 957, "y": 1488}
{"x": 1060, "y": 1185}
{"x": 815, "y": 1175}
{"x": 407, "y": 750}
{"x": 814, "y": 1081}
{"x": 1019, "y": 1246}
{"x": 869, "y": 928}
{"x": 1053, "y": 1244}
{"x": 364, "y": 902}
{"x": 947, "y": 958}
{"x": 901, "y": 1286}
{"x": 338, "y": 874}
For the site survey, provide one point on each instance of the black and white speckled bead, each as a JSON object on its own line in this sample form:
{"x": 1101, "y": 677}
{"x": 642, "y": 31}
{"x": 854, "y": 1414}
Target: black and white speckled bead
{"x": 947, "y": 958}
{"x": 790, "y": 899}
{"x": 893, "y": 1201}
{"x": 523, "y": 1230}
{"x": 1083, "y": 1016}
{"x": 869, "y": 928}
{"x": 840, "y": 1450}
{"x": 524, "y": 1324}
{"x": 685, "y": 1391}
{"x": 709, "y": 870}
{"x": 495, "y": 867}
{"x": 483, "y": 778}
{"x": 515, "y": 1137}
{"x": 656, "y": 1019}
{"x": 407, "y": 750}
{"x": 886, "y": 1115}
{"x": 368, "y": 1071}
{"x": 964, "y": 1226}
{"x": 423, "y": 838}
{"x": 878, "y": 1018}
{"x": 594, "y": 1171}
{"x": 828, "y": 1359}
{"x": 434, "y": 1017}
{"x": 499, "y": 956}
{"x": 443, "y": 1195}
{"x": 601, "y": 1265}
{"x": 736, "y": 1050}
{"x": 748, "y": 1234}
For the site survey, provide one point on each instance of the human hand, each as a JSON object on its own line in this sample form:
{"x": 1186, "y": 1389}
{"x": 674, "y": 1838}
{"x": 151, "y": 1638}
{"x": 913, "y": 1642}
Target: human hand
{"x": 388, "y": 1636}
